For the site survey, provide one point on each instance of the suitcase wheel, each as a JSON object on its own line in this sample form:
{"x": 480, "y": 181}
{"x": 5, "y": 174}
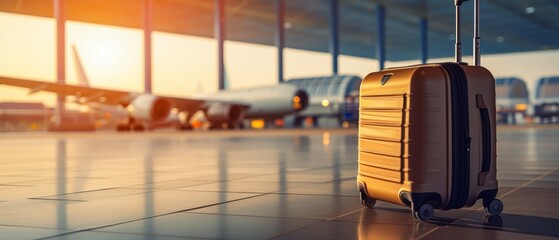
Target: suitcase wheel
{"x": 493, "y": 206}
{"x": 366, "y": 200}
{"x": 424, "y": 212}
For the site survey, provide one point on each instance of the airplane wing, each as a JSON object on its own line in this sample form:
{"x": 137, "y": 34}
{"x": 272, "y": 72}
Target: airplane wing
{"x": 86, "y": 94}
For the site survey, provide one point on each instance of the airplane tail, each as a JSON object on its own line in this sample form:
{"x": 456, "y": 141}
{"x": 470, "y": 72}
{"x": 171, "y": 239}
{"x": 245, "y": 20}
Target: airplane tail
{"x": 82, "y": 77}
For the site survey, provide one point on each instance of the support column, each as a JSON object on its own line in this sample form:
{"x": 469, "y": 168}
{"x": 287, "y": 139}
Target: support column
{"x": 381, "y": 46}
{"x": 60, "y": 15}
{"x": 334, "y": 34}
{"x": 424, "y": 24}
{"x": 280, "y": 35}
{"x": 146, "y": 17}
{"x": 219, "y": 34}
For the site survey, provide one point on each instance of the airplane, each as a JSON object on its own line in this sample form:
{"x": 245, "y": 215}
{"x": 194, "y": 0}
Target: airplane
{"x": 223, "y": 109}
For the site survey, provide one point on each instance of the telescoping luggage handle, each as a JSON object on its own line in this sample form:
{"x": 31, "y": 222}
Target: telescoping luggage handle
{"x": 458, "y": 3}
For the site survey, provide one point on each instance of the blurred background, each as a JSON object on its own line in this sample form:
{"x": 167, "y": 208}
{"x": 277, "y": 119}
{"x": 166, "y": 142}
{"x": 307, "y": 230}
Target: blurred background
{"x": 309, "y": 44}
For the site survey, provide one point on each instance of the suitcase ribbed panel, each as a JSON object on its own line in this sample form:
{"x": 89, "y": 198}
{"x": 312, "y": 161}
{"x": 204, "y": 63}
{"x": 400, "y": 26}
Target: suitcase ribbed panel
{"x": 427, "y": 139}
{"x": 381, "y": 136}
{"x": 384, "y": 149}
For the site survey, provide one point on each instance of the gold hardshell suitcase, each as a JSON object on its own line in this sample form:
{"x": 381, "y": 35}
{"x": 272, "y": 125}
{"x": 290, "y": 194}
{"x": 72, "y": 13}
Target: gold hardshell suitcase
{"x": 427, "y": 137}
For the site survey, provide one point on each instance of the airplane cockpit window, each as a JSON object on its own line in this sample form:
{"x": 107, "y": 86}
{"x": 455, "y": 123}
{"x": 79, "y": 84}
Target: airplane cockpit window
{"x": 336, "y": 86}
{"x": 548, "y": 87}
{"x": 519, "y": 90}
{"x": 353, "y": 85}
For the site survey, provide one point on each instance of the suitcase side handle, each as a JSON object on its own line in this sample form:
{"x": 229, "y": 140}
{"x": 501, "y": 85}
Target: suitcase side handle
{"x": 486, "y": 139}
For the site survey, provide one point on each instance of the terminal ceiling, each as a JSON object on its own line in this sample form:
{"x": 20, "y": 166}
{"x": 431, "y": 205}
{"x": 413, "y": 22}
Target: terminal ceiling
{"x": 506, "y": 26}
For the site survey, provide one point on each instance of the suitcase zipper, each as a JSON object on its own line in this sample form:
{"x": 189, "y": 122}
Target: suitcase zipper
{"x": 460, "y": 137}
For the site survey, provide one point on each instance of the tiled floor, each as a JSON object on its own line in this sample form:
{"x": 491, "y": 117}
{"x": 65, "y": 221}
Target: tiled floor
{"x": 294, "y": 184}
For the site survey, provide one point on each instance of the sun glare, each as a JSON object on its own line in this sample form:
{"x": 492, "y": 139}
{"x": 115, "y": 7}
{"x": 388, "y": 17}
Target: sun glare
{"x": 103, "y": 53}
{"x": 111, "y": 56}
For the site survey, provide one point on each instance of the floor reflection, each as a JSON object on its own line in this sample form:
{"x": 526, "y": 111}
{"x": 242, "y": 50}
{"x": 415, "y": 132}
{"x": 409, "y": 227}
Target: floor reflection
{"x": 370, "y": 228}
{"x": 247, "y": 185}
{"x": 61, "y": 170}
{"x": 149, "y": 198}
{"x": 222, "y": 223}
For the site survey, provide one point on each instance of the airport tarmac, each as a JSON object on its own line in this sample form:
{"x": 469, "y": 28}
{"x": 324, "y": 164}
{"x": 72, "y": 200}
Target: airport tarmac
{"x": 270, "y": 184}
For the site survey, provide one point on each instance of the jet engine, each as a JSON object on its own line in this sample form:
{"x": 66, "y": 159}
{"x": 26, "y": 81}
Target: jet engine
{"x": 300, "y": 100}
{"x": 220, "y": 112}
{"x": 149, "y": 108}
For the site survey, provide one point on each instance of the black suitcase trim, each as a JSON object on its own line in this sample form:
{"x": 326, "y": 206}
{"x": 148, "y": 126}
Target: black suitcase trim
{"x": 460, "y": 136}
{"x": 487, "y": 196}
{"x": 417, "y": 199}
